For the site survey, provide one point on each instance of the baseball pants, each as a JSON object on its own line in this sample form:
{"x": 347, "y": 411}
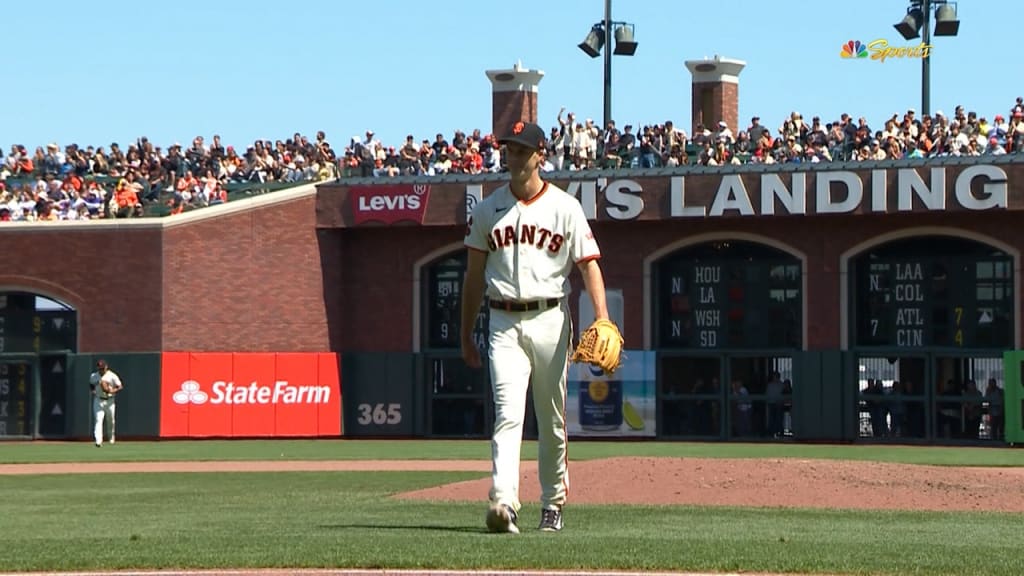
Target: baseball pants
{"x": 529, "y": 348}
{"x": 103, "y": 410}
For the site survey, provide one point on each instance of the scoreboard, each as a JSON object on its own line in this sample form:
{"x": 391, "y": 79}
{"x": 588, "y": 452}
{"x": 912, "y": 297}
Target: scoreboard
{"x": 37, "y": 330}
{"x": 15, "y": 398}
{"x": 730, "y": 303}
{"x": 444, "y": 307}
{"x": 945, "y": 301}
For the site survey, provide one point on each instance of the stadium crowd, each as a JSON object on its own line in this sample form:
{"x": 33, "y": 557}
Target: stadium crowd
{"x": 94, "y": 183}
{"x": 582, "y": 145}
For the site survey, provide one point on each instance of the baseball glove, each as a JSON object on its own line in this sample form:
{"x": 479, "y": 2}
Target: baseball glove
{"x": 600, "y": 345}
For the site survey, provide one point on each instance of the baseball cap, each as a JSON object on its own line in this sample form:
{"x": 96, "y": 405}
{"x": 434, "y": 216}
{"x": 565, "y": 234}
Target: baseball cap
{"x": 526, "y": 133}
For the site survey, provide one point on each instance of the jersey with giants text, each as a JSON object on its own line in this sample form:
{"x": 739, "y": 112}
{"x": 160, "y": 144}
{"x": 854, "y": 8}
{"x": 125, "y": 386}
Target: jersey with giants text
{"x": 531, "y": 246}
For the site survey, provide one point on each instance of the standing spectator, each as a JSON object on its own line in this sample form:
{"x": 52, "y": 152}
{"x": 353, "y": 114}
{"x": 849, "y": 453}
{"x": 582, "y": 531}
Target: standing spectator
{"x": 648, "y": 157}
{"x": 994, "y": 397}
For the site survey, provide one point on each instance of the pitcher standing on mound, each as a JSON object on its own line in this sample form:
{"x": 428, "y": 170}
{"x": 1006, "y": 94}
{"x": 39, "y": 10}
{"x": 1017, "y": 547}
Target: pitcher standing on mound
{"x": 523, "y": 241}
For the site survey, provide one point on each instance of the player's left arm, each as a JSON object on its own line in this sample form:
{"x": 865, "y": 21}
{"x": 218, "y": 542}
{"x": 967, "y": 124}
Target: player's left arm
{"x": 593, "y": 280}
{"x": 115, "y": 383}
{"x": 585, "y": 253}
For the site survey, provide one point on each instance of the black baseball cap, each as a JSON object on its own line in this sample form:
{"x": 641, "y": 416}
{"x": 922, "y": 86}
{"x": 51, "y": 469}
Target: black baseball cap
{"x": 526, "y": 133}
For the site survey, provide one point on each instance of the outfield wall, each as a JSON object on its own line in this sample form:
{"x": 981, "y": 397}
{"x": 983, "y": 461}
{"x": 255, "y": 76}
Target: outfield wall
{"x": 289, "y": 395}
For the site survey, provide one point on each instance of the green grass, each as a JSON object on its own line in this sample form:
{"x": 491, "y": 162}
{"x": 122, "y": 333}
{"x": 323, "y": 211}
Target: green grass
{"x": 29, "y": 452}
{"x": 350, "y": 520}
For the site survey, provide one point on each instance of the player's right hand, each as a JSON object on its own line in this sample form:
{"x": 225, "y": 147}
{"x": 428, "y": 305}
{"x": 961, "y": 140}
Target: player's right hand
{"x": 471, "y": 354}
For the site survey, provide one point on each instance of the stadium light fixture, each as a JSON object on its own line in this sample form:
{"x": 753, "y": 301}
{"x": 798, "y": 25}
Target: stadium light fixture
{"x": 916, "y": 22}
{"x": 598, "y": 39}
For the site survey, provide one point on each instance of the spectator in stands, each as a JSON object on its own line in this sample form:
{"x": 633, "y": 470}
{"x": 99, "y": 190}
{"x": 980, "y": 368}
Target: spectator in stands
{"x": 492, "y": 156}
{"x": 995, "y": 147}
{"x": 126, "y": 197}
{"x": 648, "y": 152}
{"x": 610, "y": 147}
{"x": 1016, "y": 130}
{"x": 742, "y": 145}
{"x": 627, "y": 147}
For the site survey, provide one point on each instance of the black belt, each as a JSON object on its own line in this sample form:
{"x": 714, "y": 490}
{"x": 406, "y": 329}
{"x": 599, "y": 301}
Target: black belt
{"x": 512, "y": 306}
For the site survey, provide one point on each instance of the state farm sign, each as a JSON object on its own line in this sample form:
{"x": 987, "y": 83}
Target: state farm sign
{"x": 280, "y": 392}
{"x": 250, "y": 395}
{"x": 389, "y": 204}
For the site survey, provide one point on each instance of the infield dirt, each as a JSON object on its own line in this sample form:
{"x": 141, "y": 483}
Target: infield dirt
{"x": 776, "y": 482}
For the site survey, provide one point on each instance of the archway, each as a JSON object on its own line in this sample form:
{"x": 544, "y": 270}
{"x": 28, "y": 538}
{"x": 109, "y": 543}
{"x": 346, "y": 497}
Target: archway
{"x": 458, "y": 398}
{"x": 727, "y": 319}
{"x": 37, "y": 332}
{"x": 929, "y": 318}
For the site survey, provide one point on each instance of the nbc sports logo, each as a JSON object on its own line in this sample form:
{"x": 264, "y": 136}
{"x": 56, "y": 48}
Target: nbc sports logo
{"x": 854, "y": 49}
{"x": 190, "y": 394}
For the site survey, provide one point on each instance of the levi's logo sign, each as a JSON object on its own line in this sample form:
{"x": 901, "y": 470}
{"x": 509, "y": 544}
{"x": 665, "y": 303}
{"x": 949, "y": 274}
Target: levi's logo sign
{"x": 389, "y": 204}
{"x": 280, "y": 392}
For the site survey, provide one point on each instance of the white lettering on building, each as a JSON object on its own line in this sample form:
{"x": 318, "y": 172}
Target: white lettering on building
{"x": 280, "y": 393}
{"x": 835, "y": 192}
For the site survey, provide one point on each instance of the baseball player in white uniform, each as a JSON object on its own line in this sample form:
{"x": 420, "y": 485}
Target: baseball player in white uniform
{"x": 523, "y": 241}
{"x": 105, "y": 385}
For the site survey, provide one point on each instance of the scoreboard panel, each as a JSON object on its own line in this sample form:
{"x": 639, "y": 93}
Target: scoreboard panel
{"x": 444, "y": 307}
{"x": 730, "y": 303}
{"x": 15, "y": 398}
{"x": 934, "y": 300}
{"x": 37, "y": 330}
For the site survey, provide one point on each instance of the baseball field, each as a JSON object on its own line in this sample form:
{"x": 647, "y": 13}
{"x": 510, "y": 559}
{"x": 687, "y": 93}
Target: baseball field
{"x": 418, "y": 506}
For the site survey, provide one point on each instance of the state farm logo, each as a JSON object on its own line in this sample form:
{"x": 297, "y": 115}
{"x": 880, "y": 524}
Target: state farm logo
{"x": 281, "y": 392}
{"x": 190, "y": 394}
{"x": 389, "y": 203}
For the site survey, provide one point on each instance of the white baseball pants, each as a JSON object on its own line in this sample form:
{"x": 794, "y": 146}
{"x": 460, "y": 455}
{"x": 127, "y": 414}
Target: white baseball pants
{"x": 103, "y": 410}
{"x": 529, "y": 348}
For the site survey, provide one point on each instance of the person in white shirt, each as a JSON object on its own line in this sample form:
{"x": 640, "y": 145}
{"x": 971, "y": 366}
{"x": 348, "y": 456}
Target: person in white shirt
{"x": 105, "y": 384}
{"x": 523, "y": 241}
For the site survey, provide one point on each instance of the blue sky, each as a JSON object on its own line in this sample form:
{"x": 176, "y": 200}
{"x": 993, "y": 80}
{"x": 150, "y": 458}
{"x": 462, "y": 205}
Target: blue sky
{"x": 112, "y": 70}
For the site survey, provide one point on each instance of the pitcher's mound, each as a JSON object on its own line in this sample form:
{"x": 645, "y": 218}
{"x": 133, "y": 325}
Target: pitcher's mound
{"x": 773, "y": 482}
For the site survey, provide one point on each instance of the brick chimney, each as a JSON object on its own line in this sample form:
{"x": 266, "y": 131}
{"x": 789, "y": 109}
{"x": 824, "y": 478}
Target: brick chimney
{"x": 715, "y": 92}
{"x": 514, "y": 96}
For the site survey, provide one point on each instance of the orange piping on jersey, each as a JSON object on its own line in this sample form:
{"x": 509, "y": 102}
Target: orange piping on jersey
{"x": 588, "y": 258}
{"x": 536, "y": 197}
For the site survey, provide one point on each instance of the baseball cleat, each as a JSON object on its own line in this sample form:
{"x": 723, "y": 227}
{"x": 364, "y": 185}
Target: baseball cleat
{"x": 551, "y": 520}
{"x": 502, "y": 518}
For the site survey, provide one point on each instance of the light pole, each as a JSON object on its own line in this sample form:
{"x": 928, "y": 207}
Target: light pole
{"x": 918, "y": 17}
{"x": 600, "y": 36}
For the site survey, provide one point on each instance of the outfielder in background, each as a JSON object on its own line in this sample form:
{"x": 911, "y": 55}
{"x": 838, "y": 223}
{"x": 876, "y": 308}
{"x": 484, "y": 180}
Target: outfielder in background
{"x": 105, "y": 384}
{"x": 523, "y": 241}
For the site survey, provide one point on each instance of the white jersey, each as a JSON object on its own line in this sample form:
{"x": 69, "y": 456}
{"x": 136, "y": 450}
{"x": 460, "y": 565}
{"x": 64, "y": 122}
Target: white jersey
{"x": 531, "y": 246}
{"x": 110, "y": 377}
